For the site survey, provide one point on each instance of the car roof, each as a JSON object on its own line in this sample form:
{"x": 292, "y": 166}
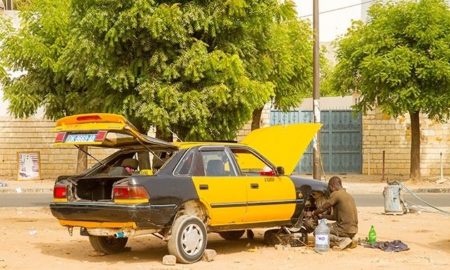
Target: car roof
{"x": 188, "y": 145}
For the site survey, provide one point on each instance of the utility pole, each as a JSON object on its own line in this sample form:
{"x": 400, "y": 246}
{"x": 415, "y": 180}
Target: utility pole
{"x": 316, "y": 92}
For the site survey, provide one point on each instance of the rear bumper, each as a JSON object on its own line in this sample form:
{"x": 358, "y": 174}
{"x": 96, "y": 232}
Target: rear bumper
{"x": 143, "y": 216}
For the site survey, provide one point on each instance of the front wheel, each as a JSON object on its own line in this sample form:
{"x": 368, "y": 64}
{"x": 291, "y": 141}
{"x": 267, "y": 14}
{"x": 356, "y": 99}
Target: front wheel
{"x": 188, "y": 239}
{"x": 108, "y": 244}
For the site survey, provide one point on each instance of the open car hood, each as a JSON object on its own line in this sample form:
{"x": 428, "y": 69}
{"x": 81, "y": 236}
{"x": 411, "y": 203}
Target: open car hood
{"x": 105, "y": 130}
{"x": 283, "y": 145}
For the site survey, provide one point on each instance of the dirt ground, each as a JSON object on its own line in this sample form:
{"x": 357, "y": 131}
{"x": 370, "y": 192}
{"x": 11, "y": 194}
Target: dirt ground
{"x": 32, "y": 239}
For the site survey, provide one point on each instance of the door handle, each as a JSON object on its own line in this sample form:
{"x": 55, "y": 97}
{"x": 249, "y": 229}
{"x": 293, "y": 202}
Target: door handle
{"x": 203, "y": 187}
{"x": 254, "y": 185}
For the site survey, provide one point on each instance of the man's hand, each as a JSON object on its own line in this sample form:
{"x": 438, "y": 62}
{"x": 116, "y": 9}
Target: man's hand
{"x": 309, "y": 214}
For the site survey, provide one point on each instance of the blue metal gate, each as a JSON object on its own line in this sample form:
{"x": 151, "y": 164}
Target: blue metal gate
{"x": 340, "y": 139}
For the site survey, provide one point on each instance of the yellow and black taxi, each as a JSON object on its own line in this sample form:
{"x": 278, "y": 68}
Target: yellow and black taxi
{"x": 181, "y": 191}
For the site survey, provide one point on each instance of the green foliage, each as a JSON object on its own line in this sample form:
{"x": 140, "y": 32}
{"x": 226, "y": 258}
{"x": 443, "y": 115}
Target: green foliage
{"x": 326, "y": 76}
{"x": 289, "y": 62}
{"x": 198, "y": 67}
{"x": 33, "y": 52}
{"x": 22, "y": 4}
{"x": 400, "y": 59}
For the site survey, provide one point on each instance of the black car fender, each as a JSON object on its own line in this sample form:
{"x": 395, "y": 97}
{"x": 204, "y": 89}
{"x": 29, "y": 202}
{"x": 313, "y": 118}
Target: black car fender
{"x": 304, "y": 188}
{"x": 168, "y": 193}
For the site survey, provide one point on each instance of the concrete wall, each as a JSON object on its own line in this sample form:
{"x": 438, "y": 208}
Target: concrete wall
{"x": 393, "y": 135}
{"x": 380, "y": 133}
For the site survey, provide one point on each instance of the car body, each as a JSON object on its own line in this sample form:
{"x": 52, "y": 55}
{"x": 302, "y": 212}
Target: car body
{"x": 185, "y": 189}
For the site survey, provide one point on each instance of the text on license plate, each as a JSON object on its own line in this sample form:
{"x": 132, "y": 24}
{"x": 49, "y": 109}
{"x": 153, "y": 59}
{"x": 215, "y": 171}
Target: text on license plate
{"x": 80, "y": 138}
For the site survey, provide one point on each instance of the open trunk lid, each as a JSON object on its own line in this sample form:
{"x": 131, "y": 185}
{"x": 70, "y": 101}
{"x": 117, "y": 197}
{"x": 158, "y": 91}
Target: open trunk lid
{"x": 104, "y": 130}
{"x": 283, "y": 145}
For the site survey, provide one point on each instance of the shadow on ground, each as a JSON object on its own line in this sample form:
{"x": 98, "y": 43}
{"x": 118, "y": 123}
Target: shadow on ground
{"x": 141, "y": 249}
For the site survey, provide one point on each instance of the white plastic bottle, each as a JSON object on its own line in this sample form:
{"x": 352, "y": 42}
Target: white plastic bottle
{"x": 322, "y": 236}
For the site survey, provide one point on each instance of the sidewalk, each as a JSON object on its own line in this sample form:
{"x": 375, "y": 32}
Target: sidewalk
{"x": 26, "y": 186}
{"x": 356, "y": 184}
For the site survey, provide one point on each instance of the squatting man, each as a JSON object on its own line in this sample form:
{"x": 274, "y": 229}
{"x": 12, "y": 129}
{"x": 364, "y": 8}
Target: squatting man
{"x": 343, "y": 212}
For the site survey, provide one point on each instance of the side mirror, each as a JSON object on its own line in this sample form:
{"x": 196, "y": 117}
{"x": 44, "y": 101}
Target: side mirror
{"x": 280, "y": 170}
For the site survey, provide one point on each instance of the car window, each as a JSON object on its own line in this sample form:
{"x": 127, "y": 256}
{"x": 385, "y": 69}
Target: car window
{"x": 185, "y": 164}
{"x": 147, "y": 162}
{"x": 217, "y": 163}
{"x": 250, "y": 164}
{"x": 161, "y": 159}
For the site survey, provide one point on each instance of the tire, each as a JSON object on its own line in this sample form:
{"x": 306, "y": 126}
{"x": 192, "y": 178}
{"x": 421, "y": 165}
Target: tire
{"x": 108, "y": 244}
{"x": 232, "y": 235}
{"x": 188, "y": 240}
{"x": 270, "y": 237}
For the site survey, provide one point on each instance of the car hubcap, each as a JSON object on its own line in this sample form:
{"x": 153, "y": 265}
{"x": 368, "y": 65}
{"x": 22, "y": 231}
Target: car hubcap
{"x": 192, "y": 239}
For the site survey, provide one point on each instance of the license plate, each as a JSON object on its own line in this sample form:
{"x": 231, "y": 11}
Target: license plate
{"x": 80, "y": 138}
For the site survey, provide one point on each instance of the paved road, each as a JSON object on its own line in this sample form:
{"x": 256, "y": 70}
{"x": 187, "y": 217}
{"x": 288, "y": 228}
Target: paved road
{"x": 25, "y": 199}
{"x": 436, "y": 199}
{"x": 43, "y": 199}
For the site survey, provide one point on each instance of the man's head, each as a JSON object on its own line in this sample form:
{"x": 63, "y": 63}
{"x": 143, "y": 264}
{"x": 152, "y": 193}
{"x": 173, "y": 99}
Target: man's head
{"x": 334, "y": 184}
{"x": 130, "y": 165}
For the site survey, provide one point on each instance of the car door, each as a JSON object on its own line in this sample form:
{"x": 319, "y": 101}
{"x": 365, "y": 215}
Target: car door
{"x": 270, "y": 197}
{"x": 218, "y": 186}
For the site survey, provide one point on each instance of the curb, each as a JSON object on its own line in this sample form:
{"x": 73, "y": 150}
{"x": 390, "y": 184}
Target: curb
{"x": 432, "y": 190}
{"x": 26, "y": 190}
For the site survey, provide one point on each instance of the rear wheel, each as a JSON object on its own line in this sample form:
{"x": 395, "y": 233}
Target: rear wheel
{"x": 188, "y": 240}
{"x": 108, "y": 244}
{"x": 232, "y": 235}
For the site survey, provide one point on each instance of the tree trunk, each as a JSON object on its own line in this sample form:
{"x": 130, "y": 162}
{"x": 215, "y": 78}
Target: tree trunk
{"x": 415, "y": 146}
{"x": 163, "y": 135}
{"x": 256, "y": 119}
{"x": 82, "y": 159}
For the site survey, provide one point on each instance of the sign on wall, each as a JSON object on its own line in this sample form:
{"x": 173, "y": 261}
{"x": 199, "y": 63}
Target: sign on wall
{"x": 28, "y": 165}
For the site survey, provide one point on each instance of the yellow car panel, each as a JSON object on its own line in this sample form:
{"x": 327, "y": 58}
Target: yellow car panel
{"x": 224, "y": 196}
{"x": 121, "y": 132}
{"x": 270, "y": 198}
{"x": 282, "y": 145}
{"x": 92, "y": 121}
{"x": 94, "y": 224}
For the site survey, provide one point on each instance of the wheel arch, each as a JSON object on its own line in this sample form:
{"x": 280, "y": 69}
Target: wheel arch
{"x": 193, "y": 207}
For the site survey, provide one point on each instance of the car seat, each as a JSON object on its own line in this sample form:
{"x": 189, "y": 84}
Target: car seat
{"x": 215, "y": 168}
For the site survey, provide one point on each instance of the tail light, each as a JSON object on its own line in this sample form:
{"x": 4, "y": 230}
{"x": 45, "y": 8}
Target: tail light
{"x": 88, "y": 118}
{"x": 60, "y": 137}
{"x": 100, "y": 136}
{"x": 125, "y": 194}
{"x": 60, "y": 193}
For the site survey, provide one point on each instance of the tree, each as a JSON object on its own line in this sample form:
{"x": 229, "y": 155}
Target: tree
{"x": 399, "y": 61}
{"x": 33, "y": 51}
{"x": 286, "y": 61}
{"x": 198, "y": 68}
